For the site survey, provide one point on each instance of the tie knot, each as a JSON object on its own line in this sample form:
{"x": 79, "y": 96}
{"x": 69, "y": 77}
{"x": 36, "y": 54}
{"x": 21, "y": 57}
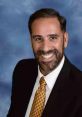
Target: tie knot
{"x": 42, "y": 81}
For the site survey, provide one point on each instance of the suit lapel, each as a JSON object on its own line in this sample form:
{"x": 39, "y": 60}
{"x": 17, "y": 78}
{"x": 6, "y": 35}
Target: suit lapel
{"x": 55, "y": 96}
{"x": 30, "y": 78}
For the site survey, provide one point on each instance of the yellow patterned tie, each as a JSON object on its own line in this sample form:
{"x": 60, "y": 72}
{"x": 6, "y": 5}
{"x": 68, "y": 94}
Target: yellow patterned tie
{"x": 39, "y": 100}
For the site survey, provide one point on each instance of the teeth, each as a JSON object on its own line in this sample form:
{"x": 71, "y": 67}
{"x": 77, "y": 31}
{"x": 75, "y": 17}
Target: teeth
{"x": 47, "y": 56}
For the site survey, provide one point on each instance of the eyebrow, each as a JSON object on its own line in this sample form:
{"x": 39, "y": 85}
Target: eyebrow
{"x": 55, "y": 35}
{"x": 34, "y": 36}
{"x": 49, "y": 35}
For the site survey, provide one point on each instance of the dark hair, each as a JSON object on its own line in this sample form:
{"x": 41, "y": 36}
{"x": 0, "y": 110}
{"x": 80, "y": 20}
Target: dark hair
{"x": 47, "y": 13}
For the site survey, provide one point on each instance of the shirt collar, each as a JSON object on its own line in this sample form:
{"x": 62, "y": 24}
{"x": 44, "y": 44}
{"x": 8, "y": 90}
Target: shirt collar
{"x": 52, "y": 76}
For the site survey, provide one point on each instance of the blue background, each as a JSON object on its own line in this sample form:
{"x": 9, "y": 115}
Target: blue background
{"x": 15, "y": 40}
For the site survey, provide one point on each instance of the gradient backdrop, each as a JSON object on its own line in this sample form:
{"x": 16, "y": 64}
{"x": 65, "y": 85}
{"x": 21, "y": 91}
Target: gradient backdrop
{"x": 14, "y": 37}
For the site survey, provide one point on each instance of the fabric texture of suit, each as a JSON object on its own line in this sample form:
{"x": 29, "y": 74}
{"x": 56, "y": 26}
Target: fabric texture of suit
{"x": 65, "y": 99}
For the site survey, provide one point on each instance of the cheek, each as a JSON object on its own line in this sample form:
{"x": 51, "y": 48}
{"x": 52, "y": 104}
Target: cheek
{"x": 35, "y": 47}
{"x": 60, "y": 46}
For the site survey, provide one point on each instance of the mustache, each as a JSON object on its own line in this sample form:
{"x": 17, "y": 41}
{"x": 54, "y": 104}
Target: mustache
{"x": 43, "y": 52}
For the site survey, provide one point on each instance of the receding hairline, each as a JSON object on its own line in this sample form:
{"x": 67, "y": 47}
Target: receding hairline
{"x": 47, "y": 13}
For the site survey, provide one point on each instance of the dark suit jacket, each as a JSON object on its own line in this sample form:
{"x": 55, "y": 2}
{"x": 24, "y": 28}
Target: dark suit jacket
{"x": 65, "y": 99}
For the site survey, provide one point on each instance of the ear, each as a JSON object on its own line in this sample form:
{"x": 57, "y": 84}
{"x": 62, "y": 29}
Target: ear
{"x": 65, "y": 39}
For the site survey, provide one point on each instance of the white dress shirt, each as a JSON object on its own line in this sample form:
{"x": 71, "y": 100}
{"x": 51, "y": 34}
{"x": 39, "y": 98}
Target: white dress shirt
{"x": 50, "y": 81}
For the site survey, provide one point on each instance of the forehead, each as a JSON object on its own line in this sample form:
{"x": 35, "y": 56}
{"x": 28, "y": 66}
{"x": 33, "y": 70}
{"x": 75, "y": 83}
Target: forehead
{"x": 46, "y": 25}
{"x": 46, "y": 20}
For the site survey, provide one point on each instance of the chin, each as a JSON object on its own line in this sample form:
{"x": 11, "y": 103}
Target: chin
{"x": 47, "y": 67}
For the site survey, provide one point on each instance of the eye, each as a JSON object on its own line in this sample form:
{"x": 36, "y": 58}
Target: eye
{"x": 37, "y": 39}
{"x": 53, "y": 38}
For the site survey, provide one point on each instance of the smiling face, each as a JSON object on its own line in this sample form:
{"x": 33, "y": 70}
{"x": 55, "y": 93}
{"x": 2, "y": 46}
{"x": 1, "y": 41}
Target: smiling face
{"x": 48, "y": 43}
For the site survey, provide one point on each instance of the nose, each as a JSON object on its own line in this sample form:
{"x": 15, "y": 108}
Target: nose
{"x": 46, "y": 45}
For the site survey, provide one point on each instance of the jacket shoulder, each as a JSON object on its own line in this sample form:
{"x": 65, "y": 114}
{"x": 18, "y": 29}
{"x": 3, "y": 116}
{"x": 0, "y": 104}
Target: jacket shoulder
{"x": 76, "y": 78}
{"x": 75, "y": 71}
{"x": 26, "y": 63}
{"x": 25, "y": 67}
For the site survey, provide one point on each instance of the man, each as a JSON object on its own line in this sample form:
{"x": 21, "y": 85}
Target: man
{"x": 63, "y": 96}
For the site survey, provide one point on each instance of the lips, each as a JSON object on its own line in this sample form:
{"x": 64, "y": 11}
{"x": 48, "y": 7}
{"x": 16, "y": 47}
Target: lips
{"x": 47, "y": 57}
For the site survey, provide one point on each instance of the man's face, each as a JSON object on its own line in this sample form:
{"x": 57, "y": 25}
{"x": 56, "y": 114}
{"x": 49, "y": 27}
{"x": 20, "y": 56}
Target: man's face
{"x": 48, "y": 43}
